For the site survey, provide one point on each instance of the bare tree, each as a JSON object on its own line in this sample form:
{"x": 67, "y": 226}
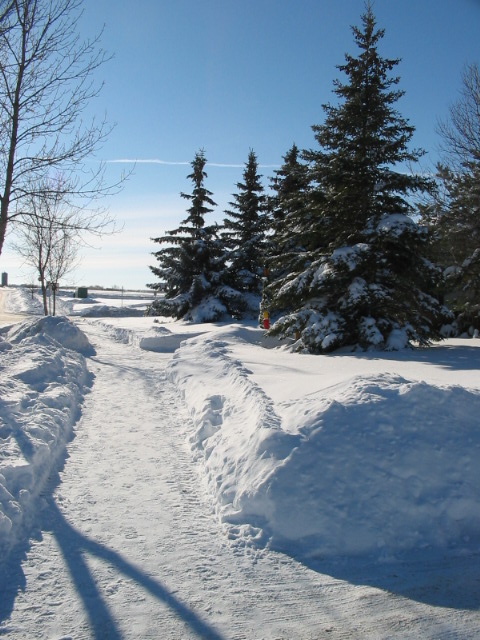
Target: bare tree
{"x": 461, "y": 132}
{"x": 46, "y": 83}
{"x": 47, "y": 239}
{"x": 63, "y": 259}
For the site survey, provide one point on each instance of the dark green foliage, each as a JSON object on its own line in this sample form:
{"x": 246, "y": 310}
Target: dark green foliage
{"x": 244, "y": 236}
{"x": 363, "y": 280}
{"x": 290, "y": 205}
{"x": 361, "y": 141}
{"x": 455, "y": 223}
{"x": 189, "y": 266}
{"x": 454, "y": 213}
{"x": 293, "y": 227}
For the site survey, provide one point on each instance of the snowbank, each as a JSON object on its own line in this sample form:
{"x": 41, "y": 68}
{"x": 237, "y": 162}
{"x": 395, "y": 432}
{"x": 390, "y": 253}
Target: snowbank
{"x": 375, "y": 465}
{"x": 156, "y": 337}
{"x": 43, "y": 377}
{"x": 106, "y": 311}
{"x": 96, "y": 305}
{"x": 321, "y": 456}
{"x": 57, "y": 328}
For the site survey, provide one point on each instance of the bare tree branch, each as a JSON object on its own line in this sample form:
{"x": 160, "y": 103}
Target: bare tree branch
{"x": 48, "y": 236}
{"x": 461, "y": 133}
{"x": 46, "y": 83}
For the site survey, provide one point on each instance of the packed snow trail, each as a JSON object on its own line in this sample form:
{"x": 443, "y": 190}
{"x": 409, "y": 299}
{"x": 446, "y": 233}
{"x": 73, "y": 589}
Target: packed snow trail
{"x": 130, "y": 546}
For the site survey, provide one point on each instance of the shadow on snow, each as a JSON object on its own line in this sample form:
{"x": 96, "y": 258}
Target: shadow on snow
{"x": 75, "y": 547}
{"x": 426, "y": 577}
{"x": 451, "y": 357}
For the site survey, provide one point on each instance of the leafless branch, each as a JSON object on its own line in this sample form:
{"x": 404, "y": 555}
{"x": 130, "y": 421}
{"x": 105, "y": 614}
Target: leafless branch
{"x": 46, "y": 83}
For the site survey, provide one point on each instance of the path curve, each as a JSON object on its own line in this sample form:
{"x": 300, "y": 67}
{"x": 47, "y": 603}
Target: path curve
{"x": 130, "y": 547}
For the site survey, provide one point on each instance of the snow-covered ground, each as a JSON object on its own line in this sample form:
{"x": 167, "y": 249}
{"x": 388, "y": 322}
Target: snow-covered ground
{"x": 326, "y": 496}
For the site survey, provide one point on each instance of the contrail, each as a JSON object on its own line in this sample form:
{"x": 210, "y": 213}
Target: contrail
{"x": 144, "y": 161}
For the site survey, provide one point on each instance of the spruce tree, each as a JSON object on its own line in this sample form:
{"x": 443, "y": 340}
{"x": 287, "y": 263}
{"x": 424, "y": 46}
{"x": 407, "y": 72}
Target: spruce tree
{"x": 292, "y": 225}
{"x": 458, "y": 228}
{"x": 289, "y": 203}
{"x": 244, "y": 236}
{"x": 190, "y": 264}
{"x": 366, "y": 283}
{"x": 454, "y": 212}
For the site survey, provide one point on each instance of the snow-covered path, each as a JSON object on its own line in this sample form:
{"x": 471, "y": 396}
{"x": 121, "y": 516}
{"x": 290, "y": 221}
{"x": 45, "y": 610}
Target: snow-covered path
{"x": 130, "y": 547}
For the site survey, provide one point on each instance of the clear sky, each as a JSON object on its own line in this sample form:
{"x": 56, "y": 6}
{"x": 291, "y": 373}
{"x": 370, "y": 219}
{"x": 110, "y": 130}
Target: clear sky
{"x": 233, "y": 75}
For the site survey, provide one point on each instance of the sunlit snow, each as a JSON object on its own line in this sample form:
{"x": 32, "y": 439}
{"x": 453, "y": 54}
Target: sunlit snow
{"x": 371, "y": 456}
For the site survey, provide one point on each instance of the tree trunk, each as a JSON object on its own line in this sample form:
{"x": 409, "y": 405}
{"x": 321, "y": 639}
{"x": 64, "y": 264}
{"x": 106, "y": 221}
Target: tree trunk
{"x": 44, "y": 296}
{"x": 14, "y": 122}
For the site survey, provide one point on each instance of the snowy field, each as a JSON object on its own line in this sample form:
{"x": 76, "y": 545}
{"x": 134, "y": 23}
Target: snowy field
{"x": 360, "y": 467}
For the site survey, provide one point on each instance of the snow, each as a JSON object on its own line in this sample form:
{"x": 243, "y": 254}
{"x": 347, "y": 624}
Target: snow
{"x": 340, "y": 470}
{"x": 395, "y": 224}
{"x": 367, "y": 458}
{"x": 349, "y": 255}
{"x": 42, "y": 382}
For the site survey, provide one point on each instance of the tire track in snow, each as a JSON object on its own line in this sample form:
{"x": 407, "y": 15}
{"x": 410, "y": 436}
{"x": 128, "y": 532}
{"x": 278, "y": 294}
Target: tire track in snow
{"x": 131, "y": 547}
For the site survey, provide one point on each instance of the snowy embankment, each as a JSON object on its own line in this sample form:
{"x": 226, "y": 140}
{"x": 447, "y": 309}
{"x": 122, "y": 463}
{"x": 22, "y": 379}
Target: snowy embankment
{"x": 366, "y": 454}
{"x": 374, "y": 464}
{"x": 348, "y": 454}
{"x": 43, "y": 377}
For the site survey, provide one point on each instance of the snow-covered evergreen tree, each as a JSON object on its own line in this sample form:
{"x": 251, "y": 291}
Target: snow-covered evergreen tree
{"x": 292, "y": 225}
{"x": 458, "y": 227}
{"x": 454, "y": 213}
{"x": 190, "y": 265}
{"x": 366, "y": 283}
{"x": 244, "y": 237}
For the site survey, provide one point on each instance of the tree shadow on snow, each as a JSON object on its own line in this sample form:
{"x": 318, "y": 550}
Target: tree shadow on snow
{"x": 12, "y": 577}
{"x": 451, "y": 357}
{"x": 12, "y": 581}
{"x": 75, "y": 548}
{"x": 431, "y": 577}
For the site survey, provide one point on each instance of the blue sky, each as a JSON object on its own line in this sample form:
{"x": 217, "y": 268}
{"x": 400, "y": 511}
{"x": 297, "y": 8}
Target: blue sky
{"x": 233, "y": 75}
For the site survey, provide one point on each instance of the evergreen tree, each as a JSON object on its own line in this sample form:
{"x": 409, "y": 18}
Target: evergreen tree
{"x": 292, "y": 225}
{"x": 291, "y": 188}
{"x": 366, "y": 283}
{"x": 190, "y": 264}
{"x": 458, "y": 227}
{"x": 454, "y": 213}
{"x": 244, "y": 236}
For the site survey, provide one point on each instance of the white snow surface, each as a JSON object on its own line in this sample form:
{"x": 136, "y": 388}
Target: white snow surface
{"x": 366, "y": 458}
{"x": 42, "y": 381}
{"x": 343, "y": 460}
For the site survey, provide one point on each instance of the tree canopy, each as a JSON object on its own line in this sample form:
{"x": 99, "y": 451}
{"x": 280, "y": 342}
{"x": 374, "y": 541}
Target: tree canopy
{"x": 362, "y": 279}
